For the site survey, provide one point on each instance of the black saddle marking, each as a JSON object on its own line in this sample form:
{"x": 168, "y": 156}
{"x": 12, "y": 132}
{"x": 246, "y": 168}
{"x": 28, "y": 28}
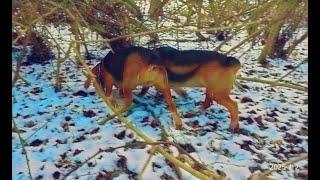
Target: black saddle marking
{"x": 189, "y": 57}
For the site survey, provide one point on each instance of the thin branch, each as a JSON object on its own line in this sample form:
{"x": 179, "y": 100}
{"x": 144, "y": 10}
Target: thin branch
{"x": 152, "y": 151}
{"x": 24, "y": 151}
{"x": 274, "y": 83}
{"x": 110, "y": 149}
{"x": 246, "y": 39}
{"x": 295, "y": 43}
{"x": 295, "y": 68}
{"x": 170, "y": 29}
{"x": 226, "y": 40}
{"x": 19, "y": 60}
{"x": 41, "y": 18}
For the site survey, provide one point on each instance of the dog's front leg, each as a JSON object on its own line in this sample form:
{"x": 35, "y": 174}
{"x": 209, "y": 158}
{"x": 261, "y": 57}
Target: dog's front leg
{"x": 127, "y": 94}
{"x": 127, "y": 98}
{"x": 172, "y": 107}
{"x": 208, "y": 99}
{"x": 162, "y": 84}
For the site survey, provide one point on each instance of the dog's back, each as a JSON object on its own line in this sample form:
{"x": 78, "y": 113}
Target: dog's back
{"x": 114, "y": 63}
{"x": 188, "y": 57}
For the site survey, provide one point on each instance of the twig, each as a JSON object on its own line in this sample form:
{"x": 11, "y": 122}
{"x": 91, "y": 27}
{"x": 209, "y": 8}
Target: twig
{"x": 274, "y": 83}
{"x": 195, "y": 164}
{"x": 53, "y": 114}
{"x": 22, "y": 141}
{"x": 20, "y": 35}
{"x": 226, "y": 40}
{"x": 37, "y": 130}
{"x": 295, "y": 43}
{"x": 295, "y": 68}
{"x": 170, "y": 29}
{"x": 19, "y": 60}
{"x": 108, "y": 118}
{"x": 23, "y": 79}
{"x": 152, "y": 151}
{"x": 58, "y": 81}
{"x": 41, "y": 18}
{"x": 110, "y": 149}
{"x": 245, "y": 52}
{"x": 238, "y": 165}
{"x": 246, "y": 39}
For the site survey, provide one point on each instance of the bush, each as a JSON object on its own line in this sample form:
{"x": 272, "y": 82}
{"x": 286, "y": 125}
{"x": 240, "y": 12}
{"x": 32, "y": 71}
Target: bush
{"x": 40, "y": 51}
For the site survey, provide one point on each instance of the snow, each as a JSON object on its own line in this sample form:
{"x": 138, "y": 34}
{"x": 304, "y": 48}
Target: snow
{"x": 59, "y": 121}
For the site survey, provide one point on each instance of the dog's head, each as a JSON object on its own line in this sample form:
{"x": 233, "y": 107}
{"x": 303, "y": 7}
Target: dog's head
{"x": 88, "y": 80}
{"x": 102, "y": 75}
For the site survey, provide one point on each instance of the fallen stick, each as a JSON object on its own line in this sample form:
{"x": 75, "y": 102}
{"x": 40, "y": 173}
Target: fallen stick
{"x": 274, "y": 83}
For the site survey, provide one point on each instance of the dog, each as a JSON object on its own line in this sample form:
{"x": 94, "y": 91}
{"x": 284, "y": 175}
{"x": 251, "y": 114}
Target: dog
{"x": 199, "y": 68}
{"x": 129, "y": 67}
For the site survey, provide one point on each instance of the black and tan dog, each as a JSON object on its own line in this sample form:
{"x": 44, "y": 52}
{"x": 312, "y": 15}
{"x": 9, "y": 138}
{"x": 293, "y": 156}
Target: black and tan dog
{"x": 198, "y": 68}
{"x": 127, "y": 68}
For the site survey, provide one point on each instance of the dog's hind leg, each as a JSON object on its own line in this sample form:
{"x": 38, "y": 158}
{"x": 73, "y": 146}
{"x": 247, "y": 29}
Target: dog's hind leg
{"x": 232, "y": 106}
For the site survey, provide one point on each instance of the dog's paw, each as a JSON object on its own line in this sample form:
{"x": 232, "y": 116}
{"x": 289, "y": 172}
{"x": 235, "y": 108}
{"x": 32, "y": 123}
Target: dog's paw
{"x": 177, "y": 121}
{"x": 235, "y": 129}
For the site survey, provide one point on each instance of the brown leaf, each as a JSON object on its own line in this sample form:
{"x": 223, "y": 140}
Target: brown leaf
{"x": 246, "y": 99}
{"x": 76, "y": 152}
{"x": 259, "y": 120}
{"x": 56, "y": 175}
{"x": 120, "y": 135}
{"x": 122, "y": 162}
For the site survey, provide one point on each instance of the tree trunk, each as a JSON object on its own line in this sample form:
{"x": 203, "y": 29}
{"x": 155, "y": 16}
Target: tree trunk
{"x": 282, "y": 12}
{"x": 272, "y": 36}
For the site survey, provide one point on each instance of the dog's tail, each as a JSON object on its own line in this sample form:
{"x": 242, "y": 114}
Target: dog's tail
{"x": 232, "y": 61}
{"x": 87, "y": 82}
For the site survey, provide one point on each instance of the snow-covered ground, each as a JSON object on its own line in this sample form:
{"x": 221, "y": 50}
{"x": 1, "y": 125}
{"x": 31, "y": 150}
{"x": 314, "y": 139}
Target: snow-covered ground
{"x": 61, "y": 129}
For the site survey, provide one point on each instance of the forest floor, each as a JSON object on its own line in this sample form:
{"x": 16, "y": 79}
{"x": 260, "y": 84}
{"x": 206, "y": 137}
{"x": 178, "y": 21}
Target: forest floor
{"x": 61, "y": 129}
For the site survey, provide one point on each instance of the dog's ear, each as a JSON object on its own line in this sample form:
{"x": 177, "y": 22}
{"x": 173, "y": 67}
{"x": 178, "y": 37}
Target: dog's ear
{"x": 87, "y": 82}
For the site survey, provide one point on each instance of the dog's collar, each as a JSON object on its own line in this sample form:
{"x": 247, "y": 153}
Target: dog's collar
{"x": 99, "y": 76}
